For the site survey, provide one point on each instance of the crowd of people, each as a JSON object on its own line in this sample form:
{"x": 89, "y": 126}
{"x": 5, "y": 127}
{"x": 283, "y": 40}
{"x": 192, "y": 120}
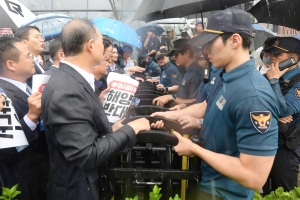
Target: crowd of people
{"x": 247, "y": 116}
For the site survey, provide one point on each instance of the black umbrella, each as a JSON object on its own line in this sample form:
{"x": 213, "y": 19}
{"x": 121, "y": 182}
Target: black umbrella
{"x": 143, "y": 30}
{"x": 279, "y": 12}
{"x": 151, "y": 10}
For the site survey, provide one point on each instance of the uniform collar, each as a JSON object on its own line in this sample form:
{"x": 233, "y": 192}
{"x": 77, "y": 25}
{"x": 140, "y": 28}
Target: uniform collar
{"x": 238, "y": 72}
{"x": 192, "y": 66}
{"x": 166, "y": 66}
{"x": 290, "y": 74}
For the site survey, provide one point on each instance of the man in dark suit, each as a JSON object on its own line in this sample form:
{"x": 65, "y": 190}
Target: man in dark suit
{"x": 79, "y": 136}
{"x": 32, "y": 37}
{"x": 25, "y": 165}
{"x": 48, "y": 63}
{"x": 57, "y": 54}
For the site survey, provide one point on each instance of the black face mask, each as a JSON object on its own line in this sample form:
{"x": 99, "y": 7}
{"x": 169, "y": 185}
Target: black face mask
{"x": 143, "y": 63}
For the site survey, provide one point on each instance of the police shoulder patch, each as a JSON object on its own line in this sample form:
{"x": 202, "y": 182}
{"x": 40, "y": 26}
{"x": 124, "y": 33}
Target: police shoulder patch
{"x": 261, "y": 120}
{"x": 297, "y": 93}
{"x": 174, "y": 75}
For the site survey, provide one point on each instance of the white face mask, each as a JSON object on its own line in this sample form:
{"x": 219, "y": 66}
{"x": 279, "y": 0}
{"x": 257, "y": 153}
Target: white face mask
{"x": 267, "y": 60}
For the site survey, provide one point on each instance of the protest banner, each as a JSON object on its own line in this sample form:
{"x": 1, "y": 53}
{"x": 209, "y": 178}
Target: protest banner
{"x": 39, "y": 81}
{"x": 6, "y": 32}
{"x": 118, "y": 99}
{"x": 11, "y": 133}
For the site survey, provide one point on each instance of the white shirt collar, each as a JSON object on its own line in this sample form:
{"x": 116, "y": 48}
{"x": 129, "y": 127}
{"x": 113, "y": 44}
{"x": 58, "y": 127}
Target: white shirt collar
{"x": 20, "y": 85}
{"x": 89, "y": 77}
{"x": 37, "y": 62}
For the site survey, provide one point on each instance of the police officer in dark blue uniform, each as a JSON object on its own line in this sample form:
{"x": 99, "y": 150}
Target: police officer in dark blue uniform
{"x": 184, "y": 56}
{"x": 239, "y": 131}
{"x": 170, "y": 77}
{"x": 286, "y": 85}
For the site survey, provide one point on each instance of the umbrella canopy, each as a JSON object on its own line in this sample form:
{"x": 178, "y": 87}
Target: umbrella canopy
{"x": 297, "y": 36}
{"x": 279, "y": 12}
{"x": 49, "y": 24}
{"x": 151, "y": 10}
{"x": 13, "y": 14}
{"x": 143, "y": 30}
{"x": 261, "y": 34}
{"x": 137, "y": 24}
{"x": 117, "y": 30}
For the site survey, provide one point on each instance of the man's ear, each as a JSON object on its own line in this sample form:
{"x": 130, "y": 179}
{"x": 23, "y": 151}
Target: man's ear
{"x": 236, "y": 40}
{"x": 10, "y": 65}
{"x": 89, "y": 45}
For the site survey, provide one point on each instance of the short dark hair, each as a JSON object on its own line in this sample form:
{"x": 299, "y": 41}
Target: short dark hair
{"x": 269, "y": 42}
{"x": 23, "y": 32}
{"x": 54, "y": 46}
{"x": 8, "y": 50}
{"x": 128, "y": 47}
{"x": 247, "y": 40}
{"x": 189, "y": 48}
{"x": 75, "y": 34}
{"x": 106, "y": 43}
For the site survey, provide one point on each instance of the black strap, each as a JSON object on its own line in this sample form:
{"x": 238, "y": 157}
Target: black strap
{"x": 286, "y": 85}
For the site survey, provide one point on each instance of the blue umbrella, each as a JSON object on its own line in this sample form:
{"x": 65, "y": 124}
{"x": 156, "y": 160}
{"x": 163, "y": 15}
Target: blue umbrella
{"x": 117, "y": 30}
{"x": 261, "y": 34}
{"x": 49, "y": 24}
{"x": 259, "y": 27}
{"x": 297, "y": 36}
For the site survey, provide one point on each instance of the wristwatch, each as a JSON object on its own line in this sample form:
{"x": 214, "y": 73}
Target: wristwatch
{"x": 173, "y": 97}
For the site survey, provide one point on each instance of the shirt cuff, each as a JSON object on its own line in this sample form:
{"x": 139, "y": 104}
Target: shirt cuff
{"x": 30, "y": 123}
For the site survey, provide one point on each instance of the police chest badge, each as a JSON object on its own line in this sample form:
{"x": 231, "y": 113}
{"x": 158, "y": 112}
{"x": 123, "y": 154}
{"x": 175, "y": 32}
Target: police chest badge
{"x": 164, "y": 75}
{"x": 297, "y": 93}
{"x": 261, "y": 120}
{"x": 174, "y": 75}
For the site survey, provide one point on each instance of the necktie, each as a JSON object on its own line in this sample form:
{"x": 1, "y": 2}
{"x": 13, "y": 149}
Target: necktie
{"x": 28, "y": 90}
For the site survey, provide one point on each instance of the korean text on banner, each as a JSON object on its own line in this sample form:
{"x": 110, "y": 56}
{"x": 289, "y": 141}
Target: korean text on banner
{"x": 118, "y": 99}
{"x": 6, "y": 32}
{"x": 11, "y": 133}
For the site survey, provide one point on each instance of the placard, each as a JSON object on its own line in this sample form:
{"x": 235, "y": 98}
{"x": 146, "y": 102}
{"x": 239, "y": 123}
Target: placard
{"x": 118, "y": 99}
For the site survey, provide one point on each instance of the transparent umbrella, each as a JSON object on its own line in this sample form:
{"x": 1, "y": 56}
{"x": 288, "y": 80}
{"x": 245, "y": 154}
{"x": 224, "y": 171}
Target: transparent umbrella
{"x": 49, "y": 24}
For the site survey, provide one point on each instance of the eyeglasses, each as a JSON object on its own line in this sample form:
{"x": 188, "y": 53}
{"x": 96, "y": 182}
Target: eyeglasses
{"x": 40, "y": 37}
{"x": 201, "y": 58}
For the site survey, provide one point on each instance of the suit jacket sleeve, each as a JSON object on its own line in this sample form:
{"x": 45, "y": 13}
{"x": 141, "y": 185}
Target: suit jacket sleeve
{"x": 30, "y": 135}
{"x": 71, "y": 119}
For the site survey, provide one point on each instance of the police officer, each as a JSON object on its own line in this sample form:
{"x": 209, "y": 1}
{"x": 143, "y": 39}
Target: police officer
{"x": 152, "y": 69}
{"x": 239, "y": 131}
{"x": 184, "y": 56}
{"x": 286, "y": 85}
{"x": 170, "y": 76}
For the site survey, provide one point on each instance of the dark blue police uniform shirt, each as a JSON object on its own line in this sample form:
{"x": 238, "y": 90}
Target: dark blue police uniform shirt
{"x": 153, "y": 70}
{"x": 190, "y": 81}
{"x": 290, "y": 102}
{"x": 241, "y": 117}
{"x": 205, "y": 88}
{"x": 170, "y": 75}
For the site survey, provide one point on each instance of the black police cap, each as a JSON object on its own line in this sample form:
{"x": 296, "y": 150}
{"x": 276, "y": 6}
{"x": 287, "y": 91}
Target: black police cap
{"x": 284, "y": 45}
{"x": 225, "y": 21}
